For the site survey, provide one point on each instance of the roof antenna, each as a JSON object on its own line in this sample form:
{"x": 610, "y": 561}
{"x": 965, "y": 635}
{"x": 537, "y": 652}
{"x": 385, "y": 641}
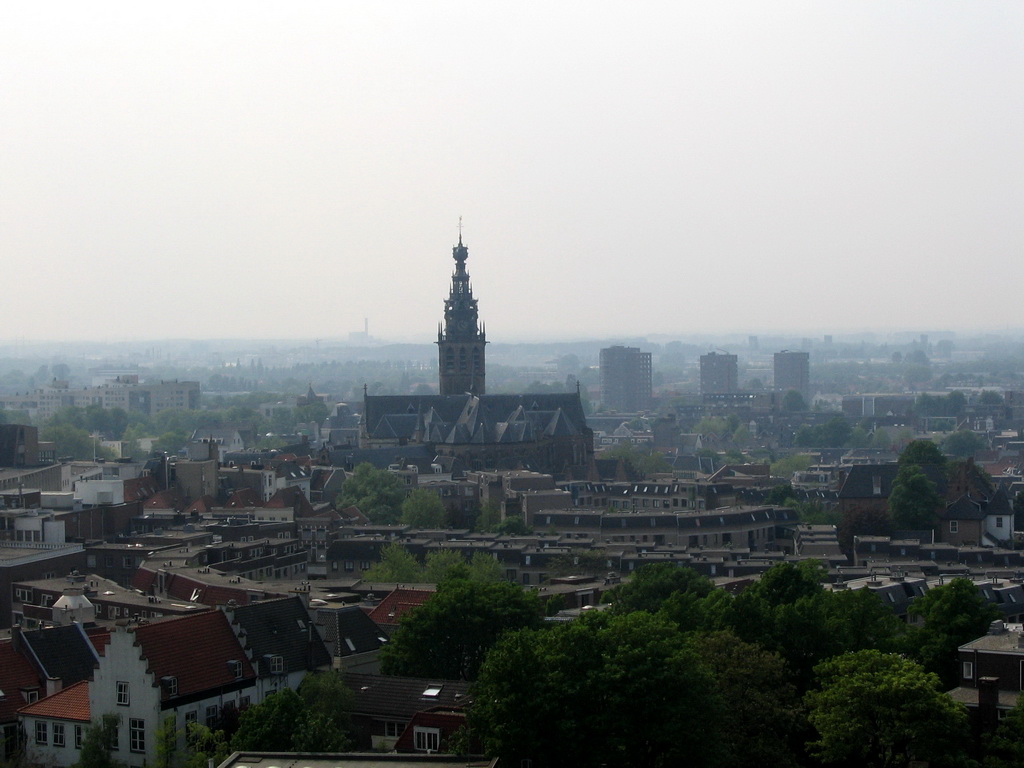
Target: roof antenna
{"x": 460, "y": 230}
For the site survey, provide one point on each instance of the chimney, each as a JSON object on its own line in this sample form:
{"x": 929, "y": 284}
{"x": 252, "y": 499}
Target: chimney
{"x": 988, "y": 698}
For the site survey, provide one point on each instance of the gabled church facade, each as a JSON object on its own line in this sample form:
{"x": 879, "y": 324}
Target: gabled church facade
{"x": 542, "y": 432}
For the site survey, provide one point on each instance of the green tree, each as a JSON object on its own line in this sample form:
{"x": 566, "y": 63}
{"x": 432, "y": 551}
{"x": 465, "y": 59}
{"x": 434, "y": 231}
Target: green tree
{"x": 787, "y": 465}
{"x": 913, "y": 500}
{"x": 98, "y": 743}
{"x": 617, "y": 691}
{"x": 443, "y": 564}
{"x": 963, "y": 443}
{"x": 990, "y": 397}
{"x": 397, "y": 564}
{"x": 376, "y": 492}
{"x": 75, "y": 442}
{"x": 489, "y": 517}
{"x": 883, "y": 711}
{"x": 484, "y": 567}
{"x": 513, "y": 525}
{"x": 764, "y": 714}
{"x": 1005, "y": 747}
{"x": 780, "y": 495}
{"x": 652, "y": 584}
{"x": 326, "y": 722}
{"x": 793, "y": 402}
{"x": 449, "y": 635}
{"x": 424, "y": 509}
{"x": 204, "y": 745}
{"x": 921, "y": 452}
{"x": 951, "y": 614}
{"x": 269, "y": 725}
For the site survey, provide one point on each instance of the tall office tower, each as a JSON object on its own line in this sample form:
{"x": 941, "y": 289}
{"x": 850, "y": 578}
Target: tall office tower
{"x": 793, "y": 371}
{"x": 626, "y": 379}
{"x": 719, "y": 373}
{"x": 461, "y": 341}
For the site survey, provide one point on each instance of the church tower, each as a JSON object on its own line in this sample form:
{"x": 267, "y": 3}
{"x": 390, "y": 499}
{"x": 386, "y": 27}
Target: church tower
{"x": 461, "y": 340}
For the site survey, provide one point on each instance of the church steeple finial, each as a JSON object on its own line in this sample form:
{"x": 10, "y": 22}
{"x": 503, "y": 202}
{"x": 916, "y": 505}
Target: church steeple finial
{"x": 460, "y": 230}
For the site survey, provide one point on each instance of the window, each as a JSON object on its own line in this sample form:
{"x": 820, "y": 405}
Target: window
{"x": 42, "y": 737}
{"x": 211, "y": 716}
{"x": 78, "y": 736}
{"x": 58, "y": 734}
{"x": 236, "y": 668}
{"x": 123, "y": 694}
{"x": 349, "y": 566}
{"x": 277, "y": 665}
{"x": 137, "y": 734}
{"x": 968, "y": 670}
{"x": 999, "y": 522}
{"x": 426, "y": 739}
{"x": 126, "y": 561}
{"x": 393, "y": 729}
{"x": 954, "y": 526}
{"x": 171, "y": 684}
{"x": 243, "y": 702}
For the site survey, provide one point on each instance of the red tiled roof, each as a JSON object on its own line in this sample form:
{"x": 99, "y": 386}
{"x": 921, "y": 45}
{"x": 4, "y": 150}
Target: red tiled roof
{"x": 244, "y": 497}
{"x": 72, "y": 703}
{"x": 201, "y": 506}
{"x": 291, "y": 498}
{"x": 100, "y": 638}
{"x": 164, "y": 500}
{"x": 445, "y": 719}
{"x": 172, "y": 647}
{"x": 139, "y": 488}
{"x": 15, "y": 673}
{"x": 143, "y": 579}
{"x": 393, "y": 607}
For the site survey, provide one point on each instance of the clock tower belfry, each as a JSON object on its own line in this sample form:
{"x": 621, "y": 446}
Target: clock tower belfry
{"x": 461, "y": 339}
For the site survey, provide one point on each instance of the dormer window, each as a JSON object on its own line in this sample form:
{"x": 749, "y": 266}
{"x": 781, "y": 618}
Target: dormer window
{"x": 275, "y": 663}
{"x": 170, "y": 685}
{"x": 235, "y": 667}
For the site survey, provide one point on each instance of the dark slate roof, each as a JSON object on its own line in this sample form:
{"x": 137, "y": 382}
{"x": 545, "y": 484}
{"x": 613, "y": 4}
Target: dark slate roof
{"x": 465, "y": 419}
{"x": 280, "y": 628}
{"x": 350, "y": 630}
{"x": 64, "y": 653}
{"x": 399, "y": 698}
{"x": 860, "y": 484}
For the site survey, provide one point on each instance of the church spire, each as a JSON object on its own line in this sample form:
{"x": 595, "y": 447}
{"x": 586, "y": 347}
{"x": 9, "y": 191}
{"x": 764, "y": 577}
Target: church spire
{"x": 461, "y": 340}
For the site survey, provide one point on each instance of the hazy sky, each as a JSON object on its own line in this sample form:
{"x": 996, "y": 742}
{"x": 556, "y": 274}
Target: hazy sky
{"x": 286, "y": 169}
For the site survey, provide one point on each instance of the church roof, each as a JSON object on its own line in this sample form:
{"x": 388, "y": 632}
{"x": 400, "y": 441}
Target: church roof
{"x": 468, "y": 419}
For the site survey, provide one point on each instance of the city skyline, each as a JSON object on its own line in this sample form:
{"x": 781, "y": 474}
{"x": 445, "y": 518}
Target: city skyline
{"x": 257, "y": 171}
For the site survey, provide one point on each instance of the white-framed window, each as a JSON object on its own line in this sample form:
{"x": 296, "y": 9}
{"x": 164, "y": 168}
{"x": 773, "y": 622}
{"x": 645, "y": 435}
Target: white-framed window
{"x": 58, "y": 734}
{"x": 236, "y": 668}
{"x": 212, "y": 714}
{"x": 171, "y": 683}
{"x": 968, "y": 671}
{"x": 954, "y": 526}
{"x": 124, "y": 697}
{"x": 999, "y": 522}
{"x": 426, "y": 739}
{"x": 79, "y": 733}
{"x": 42, "y": 732}
{"x": 136, "y": 734}
{"x": 277, "y": 665}
{"x": 393, "y": 728}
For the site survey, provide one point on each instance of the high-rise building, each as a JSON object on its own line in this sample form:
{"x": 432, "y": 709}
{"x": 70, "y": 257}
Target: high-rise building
{"x": 626, "y": 379}
{"x": 461, "y": 340}
{"x": 719, "y": 373}
{"x": 793, "y": 371}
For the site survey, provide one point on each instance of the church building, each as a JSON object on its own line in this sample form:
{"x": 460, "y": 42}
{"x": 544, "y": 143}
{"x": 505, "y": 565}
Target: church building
{"x": 469, "y": 429}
